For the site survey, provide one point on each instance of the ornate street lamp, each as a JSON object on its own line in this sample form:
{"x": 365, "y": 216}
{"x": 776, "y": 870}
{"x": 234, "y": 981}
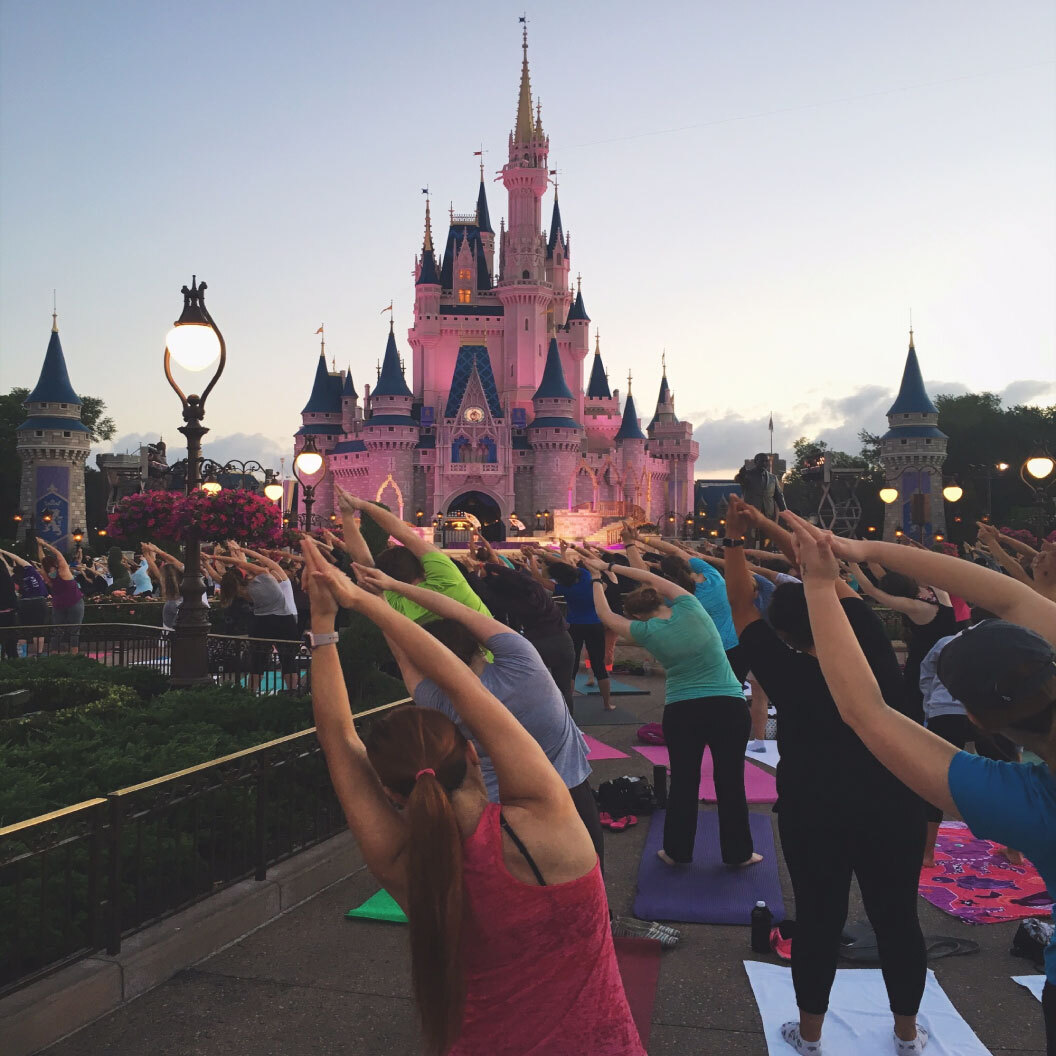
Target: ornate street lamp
{"x": 888, "y": 495}
{"x": 194, "y": 343}
{"x": 78, "y": 535}
{"x": 1037, "y": 470}
{"x": 952, "y": 492}
{"x": 308, "y": 463}
{"x": 211, "y": 486}
{"x": 272, "y": 487}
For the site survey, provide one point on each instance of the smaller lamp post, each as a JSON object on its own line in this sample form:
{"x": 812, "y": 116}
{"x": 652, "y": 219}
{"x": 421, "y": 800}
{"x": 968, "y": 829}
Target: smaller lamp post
{"x": 308, "y": 463}
{"x": 888, "y": 495}
{"x": 1038, "y": 472}
{"x": 78, "y": 535}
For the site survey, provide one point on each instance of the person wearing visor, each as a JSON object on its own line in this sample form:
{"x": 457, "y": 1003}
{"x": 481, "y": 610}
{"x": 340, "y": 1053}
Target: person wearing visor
{"x": 1003, "y": 671}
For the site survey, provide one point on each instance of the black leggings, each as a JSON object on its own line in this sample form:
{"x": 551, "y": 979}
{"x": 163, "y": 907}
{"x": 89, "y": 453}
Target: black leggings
{"x": 587, "y": 808}
{"x": 559, "y": 656}
{"x": 723, "y": 724}
{"x": 591, "y": 635}
{"x": 959, "y": 730}
{"x": 1048, "y": 1004}
{"x": 885, "y": 854}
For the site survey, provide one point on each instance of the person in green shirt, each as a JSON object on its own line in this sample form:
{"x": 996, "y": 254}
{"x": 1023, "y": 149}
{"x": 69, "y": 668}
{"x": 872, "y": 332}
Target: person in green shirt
{"x": 414, "y": 561}
{"x": 704, "y": 707}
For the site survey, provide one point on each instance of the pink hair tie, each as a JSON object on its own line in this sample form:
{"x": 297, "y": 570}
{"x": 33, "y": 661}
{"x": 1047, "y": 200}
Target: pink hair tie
{"x": 427, "y": 770}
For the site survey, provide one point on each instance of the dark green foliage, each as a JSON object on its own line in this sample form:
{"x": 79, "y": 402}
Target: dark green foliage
{"x": 368, "y": 665}
{"x": 26, "y": 673}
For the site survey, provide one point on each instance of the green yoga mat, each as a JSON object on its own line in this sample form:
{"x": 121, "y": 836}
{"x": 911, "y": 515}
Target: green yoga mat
{"x": 380, "y": 906}
{"x": 616, "y": 688}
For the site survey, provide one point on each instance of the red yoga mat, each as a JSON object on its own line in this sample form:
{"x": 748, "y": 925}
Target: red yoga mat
{"x": 639, "y": 961}
{"x": 759, "y": 785}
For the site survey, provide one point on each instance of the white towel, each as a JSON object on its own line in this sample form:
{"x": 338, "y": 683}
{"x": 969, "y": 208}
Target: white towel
{"x": 768, "y": 757}
{"x": 859, "y": 1019}
{"x": 1034, "y": 983}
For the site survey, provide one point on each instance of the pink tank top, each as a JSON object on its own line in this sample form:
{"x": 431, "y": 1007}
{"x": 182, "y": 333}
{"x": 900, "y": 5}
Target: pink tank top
{"x": 541, "y": 971}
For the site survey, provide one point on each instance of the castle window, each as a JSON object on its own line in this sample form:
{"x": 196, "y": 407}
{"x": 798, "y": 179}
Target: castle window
{"x": 525, "y": 275}
{"x": 39, "y": 432}
{"x": 464, "y": 296}
{"x": 927, "y": 441}
{"x": 905, "y": 416}
{"x": 464, "y": 274}
{"x": 66, "y": 434}
{"x": 43, "y": 405}
{"x": 63, "y": 406}
{"x": 903, "y": 442}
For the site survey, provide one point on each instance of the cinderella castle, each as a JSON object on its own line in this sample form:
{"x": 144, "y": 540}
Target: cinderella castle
{"x": 494, "y": 420}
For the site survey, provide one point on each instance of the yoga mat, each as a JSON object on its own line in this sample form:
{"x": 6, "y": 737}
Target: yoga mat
{"x": 380, "y": 906}
{"x": 759, "y": 785}
{"x": 1034, "y": 983}
{"x": 974, "y": 882}
{"x": 859, "y": 1021}
{"x": 596, "y": 750}
{"x": 616, "y": 688}
{"x": 588, "y": 711}
{"x": 706, "y": 891}
{"x": 768, "y": 757}
{"x": 639, "y": 961}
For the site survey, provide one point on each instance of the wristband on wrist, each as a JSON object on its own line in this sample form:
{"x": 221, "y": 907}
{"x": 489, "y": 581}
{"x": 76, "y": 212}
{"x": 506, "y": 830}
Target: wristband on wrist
{"x": 593, "y": 580}
{"x": 314, "y": 641}
{"x": 732, "y": 542}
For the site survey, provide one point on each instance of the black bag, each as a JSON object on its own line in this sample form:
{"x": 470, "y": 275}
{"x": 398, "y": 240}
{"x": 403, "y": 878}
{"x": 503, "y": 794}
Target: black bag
{"x": 626, "y": 795}
{"x": 1030, "y": 940}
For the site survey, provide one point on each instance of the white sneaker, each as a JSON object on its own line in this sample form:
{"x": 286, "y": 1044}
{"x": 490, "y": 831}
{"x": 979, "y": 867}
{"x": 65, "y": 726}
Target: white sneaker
{"x": 757, "y": 746}
{"x": 790, "y": 1032}
{"x": 914, "y": 1047}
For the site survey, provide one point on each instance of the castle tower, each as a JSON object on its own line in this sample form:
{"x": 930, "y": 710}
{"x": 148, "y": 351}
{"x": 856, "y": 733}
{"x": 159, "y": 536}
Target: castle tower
{"x": 524, "y": 291}
{"x": 912, "y": 453}
{"x": 391, "y": 434}
{"x": 672, "y": 441}
{"x": 487, "y": 234}
{"x": 630, "y": 443}
{"x": 557, "y": 268}
{"x": 351, "y": 415}
{"x": 554, "y": 434}
{"x": 322, "y": 417}
{"x": 601, "y": 408}
{"x": 53, "y": 444}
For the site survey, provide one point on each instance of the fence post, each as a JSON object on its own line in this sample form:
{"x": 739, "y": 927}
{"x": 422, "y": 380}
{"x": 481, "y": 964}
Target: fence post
{"x": 260, "y": 834}
{"x": 113, "y": 924}
{"x": 95, "y": 844}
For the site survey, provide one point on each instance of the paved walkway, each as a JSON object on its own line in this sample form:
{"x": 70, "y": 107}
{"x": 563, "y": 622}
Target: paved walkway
{"x": 314, "y": 984}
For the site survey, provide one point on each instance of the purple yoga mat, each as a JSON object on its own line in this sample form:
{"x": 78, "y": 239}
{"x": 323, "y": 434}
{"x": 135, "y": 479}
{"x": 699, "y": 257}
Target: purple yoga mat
{"x": 706, "y": 891}
{"x": 759, "y": 785}
{"x": 597, "y": 750}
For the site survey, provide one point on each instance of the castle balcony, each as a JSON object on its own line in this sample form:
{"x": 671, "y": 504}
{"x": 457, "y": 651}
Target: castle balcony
{"x": 541, "y": 283}
{"x": 469, "y": 468}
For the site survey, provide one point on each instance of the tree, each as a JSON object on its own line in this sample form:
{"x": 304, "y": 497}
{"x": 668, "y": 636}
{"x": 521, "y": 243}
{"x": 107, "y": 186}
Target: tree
{"x": 100, "y": 425}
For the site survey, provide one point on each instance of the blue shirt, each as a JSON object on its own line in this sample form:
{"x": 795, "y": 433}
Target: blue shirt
{"x": 711, "y": 593}
{"x": 1013, "y": 804}
{"x": 579, "y": 599}
{"x": 937, "y": 699}
{"x": 764, "y": 593}
{"x": 141, "y": 582}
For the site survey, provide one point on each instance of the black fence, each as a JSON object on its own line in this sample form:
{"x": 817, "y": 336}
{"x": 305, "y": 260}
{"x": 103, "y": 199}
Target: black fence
{"x": 82, "y": 879}
{"x": 261, "y": 665}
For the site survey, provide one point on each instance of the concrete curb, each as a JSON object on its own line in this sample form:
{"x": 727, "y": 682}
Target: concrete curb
{"x": 39, "y": 1015}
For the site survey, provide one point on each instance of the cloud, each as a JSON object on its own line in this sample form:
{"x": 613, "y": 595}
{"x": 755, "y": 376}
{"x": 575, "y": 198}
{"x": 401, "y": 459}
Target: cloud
{"x": 1040, "y": 393}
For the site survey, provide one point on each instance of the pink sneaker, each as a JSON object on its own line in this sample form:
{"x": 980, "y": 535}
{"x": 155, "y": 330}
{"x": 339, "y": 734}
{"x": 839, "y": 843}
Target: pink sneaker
{"x": 781, "y": 946}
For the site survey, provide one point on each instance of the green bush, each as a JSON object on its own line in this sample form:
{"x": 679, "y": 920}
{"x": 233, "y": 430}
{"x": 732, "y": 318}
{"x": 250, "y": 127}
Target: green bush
{"x": 19, "y": 674}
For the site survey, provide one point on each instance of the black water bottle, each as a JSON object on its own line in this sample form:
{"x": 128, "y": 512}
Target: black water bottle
{"x": 762, "y": 922}
{"x": 660, "y": 786}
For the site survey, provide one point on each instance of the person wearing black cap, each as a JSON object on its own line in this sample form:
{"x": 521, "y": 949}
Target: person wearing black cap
{"x": 1003, "y": 671}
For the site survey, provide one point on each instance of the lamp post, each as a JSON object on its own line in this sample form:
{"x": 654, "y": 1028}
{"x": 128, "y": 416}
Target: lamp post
{"x": 194, "y": 343}
{"x": 1038, "y": 472}
{"x": 308, "y": 463}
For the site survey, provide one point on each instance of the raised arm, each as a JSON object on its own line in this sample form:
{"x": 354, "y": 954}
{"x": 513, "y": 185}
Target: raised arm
{"x": 526, "y": 776}
{"x": 235, "y": 562}
{"x": 482, "y": 627}
{"x": 739, "y": 587}
{"x": 278, "y": 573}
{"x": 665, "y": 588}
{"x": 168, "y": 559}
{"x": 777, "y": 535}
{"x": 20, "y": 561}
{"x": 64, "y": 568}
{"x": 1012, "y": 543}
{"x": 912, "y": 753}
{"x": 354, "y": 545}
{"x": 1003, "y": 596}
{"x": 994, "y": 541}
{"x": 617, "y": 624}
{"x": 388, "y": 523}
{"x": 920, "y": 612}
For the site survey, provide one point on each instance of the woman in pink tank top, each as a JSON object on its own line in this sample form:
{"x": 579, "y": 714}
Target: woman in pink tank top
{"x": 511, "y": 949}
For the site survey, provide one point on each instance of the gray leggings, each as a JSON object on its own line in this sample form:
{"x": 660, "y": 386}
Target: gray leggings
{"x": 72, "y": 618}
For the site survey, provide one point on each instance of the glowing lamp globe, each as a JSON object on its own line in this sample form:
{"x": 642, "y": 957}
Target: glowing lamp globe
{"x": 212, "y": 487}
{"x": 888, "y": 495}
{"x": 1040, "y": 466}
{"x": 194, "y": 346}
{"x": 309, "y": 462}
{"x": 952, "y": 492}
{"x": 273, "y": 491}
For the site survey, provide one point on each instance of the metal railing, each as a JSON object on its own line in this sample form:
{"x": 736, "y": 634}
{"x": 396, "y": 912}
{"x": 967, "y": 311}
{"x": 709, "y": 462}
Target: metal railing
{"x": 84, "y": 878}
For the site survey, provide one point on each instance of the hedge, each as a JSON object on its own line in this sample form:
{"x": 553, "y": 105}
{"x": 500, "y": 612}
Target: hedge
{"x": 30, "y": 673}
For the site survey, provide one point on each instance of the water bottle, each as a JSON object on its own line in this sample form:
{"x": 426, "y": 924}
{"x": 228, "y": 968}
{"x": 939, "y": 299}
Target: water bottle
{"x": 660, "y": 786}
{"x": 762, "y": 922}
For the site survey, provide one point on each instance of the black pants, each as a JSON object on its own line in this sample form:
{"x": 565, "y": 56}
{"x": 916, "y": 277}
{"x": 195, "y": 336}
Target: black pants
{"x": 739, "y": 661}
{"x": 9, "y": 638}
{"x": 591, "y": 635}
{"x": 885, "y": 854}
{"x": 587, "y": 807}
{"x": 959, "y": 730}
{"x": 723, "y": 724}
{"x": 1048, "y": 1004}
{"x": 559, "y": 656}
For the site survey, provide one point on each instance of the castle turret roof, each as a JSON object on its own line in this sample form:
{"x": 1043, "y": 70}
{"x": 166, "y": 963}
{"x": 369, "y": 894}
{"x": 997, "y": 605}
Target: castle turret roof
{"x": 912, "y": 397}
{"x": 326, "y": 396}
{"x": 525, "y": 127}
{"x": 578, "y": 311}
{"x": 348, "y": 391}
{"x": 629, "y": 427}
{"x": 598, "y": 386}
{"x": 483, "y": 219}
{"x": 553, "y": 385}
{"x": 53, "y": 385}
{"x": 391, "y": 381}
{"x": 663, "y": 402}
{"x": 428, "y": 274}
{"x": 557, "y": 232}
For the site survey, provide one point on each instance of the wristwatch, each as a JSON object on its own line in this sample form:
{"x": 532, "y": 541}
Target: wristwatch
{"x": 732, "y": 542}
{"x": 593, "y": 580}
{"x": 313, "y": 641}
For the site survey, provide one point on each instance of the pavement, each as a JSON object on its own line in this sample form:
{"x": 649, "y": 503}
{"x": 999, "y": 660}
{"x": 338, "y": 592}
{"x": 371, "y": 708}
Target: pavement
{"x": 313, "y": 983}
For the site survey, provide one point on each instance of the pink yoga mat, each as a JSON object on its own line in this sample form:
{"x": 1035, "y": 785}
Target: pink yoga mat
{"x": 759, "y": 786}
{"x": 596, "y": 750}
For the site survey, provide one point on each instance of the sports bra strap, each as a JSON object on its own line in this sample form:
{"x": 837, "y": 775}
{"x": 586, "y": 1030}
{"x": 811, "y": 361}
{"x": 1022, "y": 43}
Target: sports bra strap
{"x": 521, "y": 847}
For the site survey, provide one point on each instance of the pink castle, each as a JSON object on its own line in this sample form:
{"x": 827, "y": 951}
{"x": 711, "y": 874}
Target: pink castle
{"x": 496, "y": 422}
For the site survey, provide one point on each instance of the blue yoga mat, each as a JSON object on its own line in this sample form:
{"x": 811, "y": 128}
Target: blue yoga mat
{"x": 706, "y": 891}
{"x": 616, "y": 688}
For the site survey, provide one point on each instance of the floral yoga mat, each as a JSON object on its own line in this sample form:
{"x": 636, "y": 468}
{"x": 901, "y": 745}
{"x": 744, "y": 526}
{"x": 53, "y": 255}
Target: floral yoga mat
{"x": 973, "y": 881}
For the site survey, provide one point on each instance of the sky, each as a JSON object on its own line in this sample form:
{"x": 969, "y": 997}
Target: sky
{"x": 766, "y": 191}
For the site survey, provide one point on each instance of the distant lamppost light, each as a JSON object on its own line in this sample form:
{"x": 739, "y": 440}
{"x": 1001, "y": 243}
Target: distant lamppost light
{"x": 273, "y": 492}
{"x": 888, "y": 495}
{"x": 952, "y": 492}
{"x": 1039, "y": 466}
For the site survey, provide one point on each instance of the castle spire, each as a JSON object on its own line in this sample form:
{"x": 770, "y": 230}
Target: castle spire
{"x": 54, "y": 384}
{"x": 391, "y": 380}
{"x": 427, "y": 273}
{"x": 525, "y": 126}
{"x": 912, "y": 397}
{"x": 326, "y": 396}
{"x": 598, "y": 386}
{"x": 483, "y": 218}
{"x": 557, "y": 233}
{"x": 629, "y": 427}
{"x": 553, "y": 385}
{"x": 427, "y": 244}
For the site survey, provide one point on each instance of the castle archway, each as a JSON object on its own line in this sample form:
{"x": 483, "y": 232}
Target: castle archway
{"x": 485, "y": 508}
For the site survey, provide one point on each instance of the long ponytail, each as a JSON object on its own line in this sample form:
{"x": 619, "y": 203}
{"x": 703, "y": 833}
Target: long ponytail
{"x": 421, "y": 754}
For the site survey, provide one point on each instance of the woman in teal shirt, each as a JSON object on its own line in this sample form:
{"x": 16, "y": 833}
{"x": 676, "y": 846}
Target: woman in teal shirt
{"x": 703, "y": 707}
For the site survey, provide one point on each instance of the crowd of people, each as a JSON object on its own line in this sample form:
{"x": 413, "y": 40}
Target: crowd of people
{"x": 473, "y": 806}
